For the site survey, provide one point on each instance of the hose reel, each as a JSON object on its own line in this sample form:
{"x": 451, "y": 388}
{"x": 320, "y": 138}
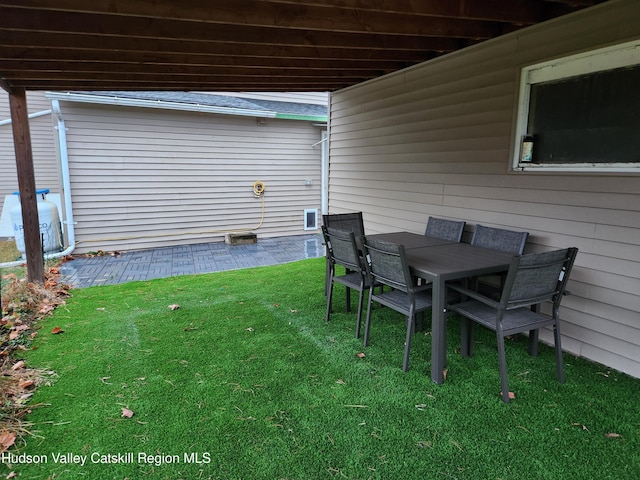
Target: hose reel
{"x": 258, "y": 188}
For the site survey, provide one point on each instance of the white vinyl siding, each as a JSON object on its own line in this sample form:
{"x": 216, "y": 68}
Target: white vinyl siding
{"x": 143, "y": 178}
{"x": 436, "y": 139}
{"x": 43, "y": 138}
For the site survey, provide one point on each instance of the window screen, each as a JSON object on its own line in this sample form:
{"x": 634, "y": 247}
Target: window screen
{"x": 593, "y": 118}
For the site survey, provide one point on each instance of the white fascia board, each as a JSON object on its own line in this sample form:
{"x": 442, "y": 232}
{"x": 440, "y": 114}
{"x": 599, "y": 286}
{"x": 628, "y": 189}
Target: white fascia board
{"x": 134, "y": 102}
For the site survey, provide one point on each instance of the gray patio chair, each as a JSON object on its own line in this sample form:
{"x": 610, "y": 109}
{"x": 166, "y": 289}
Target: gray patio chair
{"x": 349, "y": 222}
{"x": 444, "y": 229}
{"x": 343, "y": 251}
{"x": 532, "y": 279}
{"x": 508, "y": 241}
{"x": 387, "y": 265}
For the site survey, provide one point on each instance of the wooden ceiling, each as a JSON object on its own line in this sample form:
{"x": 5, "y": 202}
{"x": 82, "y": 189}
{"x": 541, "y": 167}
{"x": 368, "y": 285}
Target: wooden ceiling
{"x": 242, "y": 45}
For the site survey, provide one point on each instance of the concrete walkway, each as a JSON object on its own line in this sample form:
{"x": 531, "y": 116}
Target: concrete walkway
{"x": 187, "y": 259}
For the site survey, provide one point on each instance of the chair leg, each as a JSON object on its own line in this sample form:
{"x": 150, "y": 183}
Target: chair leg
{"x": 407, "y": 343}
{"x": 326, "y": 277}
{"x": 358, "y": 320}
{"x": 504, "y": 380}
{"x": 348, "y": 299}
{"x": 533, "y": 343}
{"x": 367, "y": 323}
{"x": 329, "y": 298}
{"x": 558, "y": 346}
{"x": 466, "y": 337}
{"x": 533, "y": 335}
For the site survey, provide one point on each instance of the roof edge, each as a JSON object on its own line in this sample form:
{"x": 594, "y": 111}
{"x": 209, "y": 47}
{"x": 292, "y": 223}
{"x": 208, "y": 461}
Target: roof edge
{"x": 159, "y": 104}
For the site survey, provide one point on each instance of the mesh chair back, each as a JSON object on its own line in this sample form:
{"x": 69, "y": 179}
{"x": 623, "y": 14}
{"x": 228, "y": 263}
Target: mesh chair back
{"x": 507, "y": 241}
{"x": 349, "y": 222}
{"x": 538, "y": 277}
{"x": 387, "y": 263}
{"x": 342, "y": 248}
{"x": 444, "y": 229}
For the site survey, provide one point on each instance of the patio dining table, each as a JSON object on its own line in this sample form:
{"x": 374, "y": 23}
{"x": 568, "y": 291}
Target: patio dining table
{"x": 440, "y": 261}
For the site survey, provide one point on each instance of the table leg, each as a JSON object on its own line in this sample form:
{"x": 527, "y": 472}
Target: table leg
{"x": 438, "y": 332}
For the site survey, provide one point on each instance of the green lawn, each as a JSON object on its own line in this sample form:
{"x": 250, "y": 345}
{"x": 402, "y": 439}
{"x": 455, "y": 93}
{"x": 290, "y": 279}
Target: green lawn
{"x": 9, "y": 252}
{"x": 246, "y": 381}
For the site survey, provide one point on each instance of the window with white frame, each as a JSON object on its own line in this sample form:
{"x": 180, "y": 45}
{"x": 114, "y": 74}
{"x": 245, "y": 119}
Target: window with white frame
{"x": 581, "y": 113}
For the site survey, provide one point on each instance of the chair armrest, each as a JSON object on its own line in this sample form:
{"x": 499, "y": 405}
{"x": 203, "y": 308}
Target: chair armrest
{"x": 421, "y": 288}
{"x": 475, "y": 295}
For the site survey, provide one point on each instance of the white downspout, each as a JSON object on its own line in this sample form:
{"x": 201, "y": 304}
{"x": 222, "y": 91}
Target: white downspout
{"x": 66, "y": 186}
{"x": 325, "y": 175}
{"x": 66, "y": 182}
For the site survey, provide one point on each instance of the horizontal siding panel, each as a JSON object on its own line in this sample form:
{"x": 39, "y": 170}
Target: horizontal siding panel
{"x": 622, "y": 363}
{"x": 604, "y": 341}
{"x": 611, "y": 200}
{"x": 541, "y": 185}
{"x": 565, "y": 212}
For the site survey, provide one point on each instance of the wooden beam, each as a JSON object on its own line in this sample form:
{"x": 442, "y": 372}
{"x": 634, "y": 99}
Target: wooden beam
{"x": 5, "y": 85}
{"x": 26, "y": 184}
{"x": 294, "y": 29}
{"x": 333, "y": 46}
{"x": 292, "y": 57}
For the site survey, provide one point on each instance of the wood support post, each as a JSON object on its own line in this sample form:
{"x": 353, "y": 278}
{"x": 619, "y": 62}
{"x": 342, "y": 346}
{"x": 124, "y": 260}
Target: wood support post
{"x": 26, "y": 185}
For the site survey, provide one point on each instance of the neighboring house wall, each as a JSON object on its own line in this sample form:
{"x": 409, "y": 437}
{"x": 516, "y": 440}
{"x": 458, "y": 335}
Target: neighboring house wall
{"x": 43, "y": 138}
{"x": 144, "y": 177}
{"x": 436, "y": 140}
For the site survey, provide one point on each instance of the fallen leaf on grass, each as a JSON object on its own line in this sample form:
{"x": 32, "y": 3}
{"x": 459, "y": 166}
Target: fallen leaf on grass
{"x": 174, "y": 306}
{"x": 12, "y": 475}
{"x": 56, "y": 330}
{"x": 18, "y": 365}
{"x": 46, "y": 308}
{"x": 360, "y": 355}
{"x": 7, "y": 439}
{"x": 126, "y": 413}
{"x": 444, "y": 374}
{"x": 24, "y": 384}
{"x": 511, "y": 395}
{"x": 612, "y": 435}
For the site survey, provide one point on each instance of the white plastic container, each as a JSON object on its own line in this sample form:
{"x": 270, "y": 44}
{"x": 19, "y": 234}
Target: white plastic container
{"x": 49, "y": 224}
